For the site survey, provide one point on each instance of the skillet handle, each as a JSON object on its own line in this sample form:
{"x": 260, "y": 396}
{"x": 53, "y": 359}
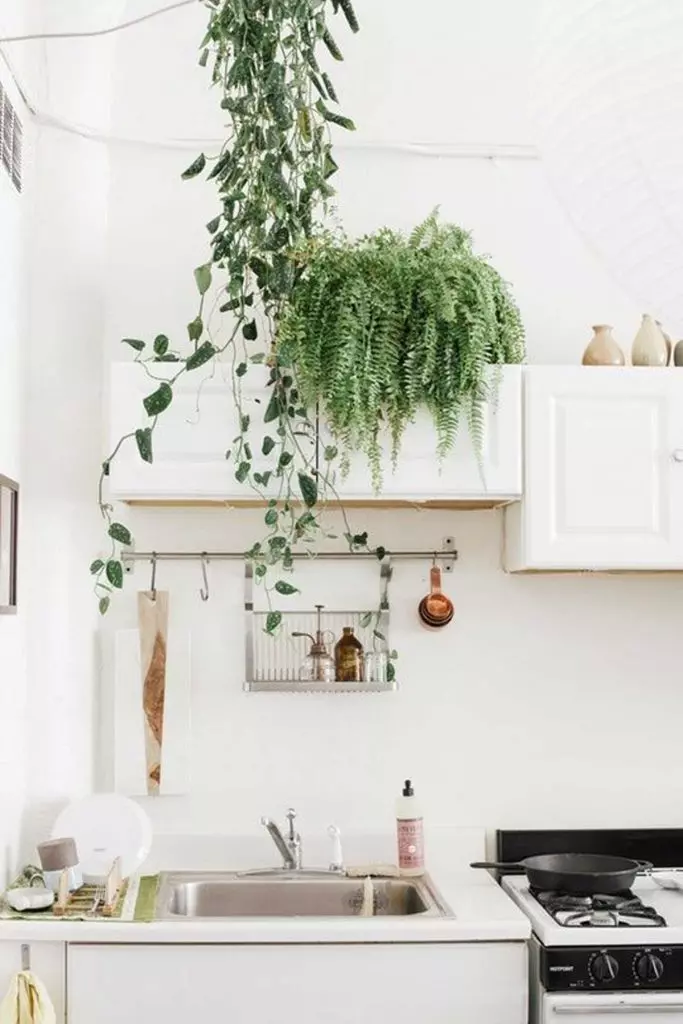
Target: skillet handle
{"x": 644, "y": 865}
{"x": 494, "y": 864}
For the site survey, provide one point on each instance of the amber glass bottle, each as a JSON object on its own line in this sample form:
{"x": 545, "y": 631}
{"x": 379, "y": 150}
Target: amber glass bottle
{"x": 348, "y": 657}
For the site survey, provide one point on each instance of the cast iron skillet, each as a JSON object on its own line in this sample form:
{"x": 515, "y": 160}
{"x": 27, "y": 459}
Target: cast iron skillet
{"x": 585, "y": 873}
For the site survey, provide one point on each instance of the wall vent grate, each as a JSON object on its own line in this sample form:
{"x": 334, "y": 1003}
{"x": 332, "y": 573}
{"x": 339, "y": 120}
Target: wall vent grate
{"x": 11, "y": 140}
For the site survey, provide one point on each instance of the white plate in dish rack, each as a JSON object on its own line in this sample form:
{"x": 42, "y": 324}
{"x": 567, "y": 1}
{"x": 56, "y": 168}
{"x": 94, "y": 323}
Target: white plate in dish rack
{"x": 106, "y": 826}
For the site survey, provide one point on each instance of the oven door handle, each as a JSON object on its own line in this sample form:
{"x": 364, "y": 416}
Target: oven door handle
{"x": 615, "y": 1008}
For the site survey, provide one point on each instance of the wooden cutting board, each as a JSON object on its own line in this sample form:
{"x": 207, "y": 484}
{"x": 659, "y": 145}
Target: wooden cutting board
{"x": 153, "y": 629}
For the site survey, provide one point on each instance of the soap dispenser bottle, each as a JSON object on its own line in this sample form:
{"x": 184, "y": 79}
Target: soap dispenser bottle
{"x": 410, "y": 833}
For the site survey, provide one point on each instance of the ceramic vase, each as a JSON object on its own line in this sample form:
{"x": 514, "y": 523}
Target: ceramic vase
{"x": 669, "y": 342}
{"x": 603, "y": 349}
{"x": 649, "y": 345}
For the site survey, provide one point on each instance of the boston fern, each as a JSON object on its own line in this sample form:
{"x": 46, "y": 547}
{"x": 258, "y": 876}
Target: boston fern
{"x": 272, "y": 177}
{"x": 380, "y": 327}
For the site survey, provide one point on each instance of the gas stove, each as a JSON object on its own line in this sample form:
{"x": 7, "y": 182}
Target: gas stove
{"x": 598, "y": 954}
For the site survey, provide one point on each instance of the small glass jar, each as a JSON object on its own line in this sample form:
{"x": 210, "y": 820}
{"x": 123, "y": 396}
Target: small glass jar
{"x": 348, "y": 657}
{"x": 376, "y": 666}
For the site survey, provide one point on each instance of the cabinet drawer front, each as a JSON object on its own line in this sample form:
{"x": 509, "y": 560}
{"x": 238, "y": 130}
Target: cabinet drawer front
{"x": 403, "y": 983}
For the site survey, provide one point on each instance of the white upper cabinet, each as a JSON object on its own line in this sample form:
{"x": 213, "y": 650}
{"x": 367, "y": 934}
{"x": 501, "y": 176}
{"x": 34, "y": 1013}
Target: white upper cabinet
{"x": 603, "y": 467}
{"x": 193, "y": 435}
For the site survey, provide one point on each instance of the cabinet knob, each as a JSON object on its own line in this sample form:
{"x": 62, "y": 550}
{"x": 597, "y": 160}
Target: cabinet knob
{"x": 677, "y": 455}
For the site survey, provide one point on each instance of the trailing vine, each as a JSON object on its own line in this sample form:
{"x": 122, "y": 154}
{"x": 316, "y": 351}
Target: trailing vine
{"x": 273, "y": 179}
{"x": 384, "y": 325}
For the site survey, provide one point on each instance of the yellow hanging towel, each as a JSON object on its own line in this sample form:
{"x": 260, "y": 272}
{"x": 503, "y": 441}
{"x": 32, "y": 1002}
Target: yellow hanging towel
{"x": 27, "y": 1002}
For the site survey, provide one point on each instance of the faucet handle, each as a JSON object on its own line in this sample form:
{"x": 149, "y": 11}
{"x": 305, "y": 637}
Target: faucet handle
{"x": 291, "y": 818}
{"x": 337, "y": 861}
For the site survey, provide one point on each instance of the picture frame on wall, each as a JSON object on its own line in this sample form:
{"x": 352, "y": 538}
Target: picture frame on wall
{"x": 9, "y": 537}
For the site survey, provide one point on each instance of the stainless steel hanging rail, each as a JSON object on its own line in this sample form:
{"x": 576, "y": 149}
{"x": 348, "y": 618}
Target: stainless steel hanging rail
{"x": 218, "y": 556}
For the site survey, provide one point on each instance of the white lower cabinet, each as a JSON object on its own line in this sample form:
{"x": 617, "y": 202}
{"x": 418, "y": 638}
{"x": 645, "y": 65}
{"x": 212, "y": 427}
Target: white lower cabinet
{"x": 429, "y": 983}
{"x": 47, "y": 960}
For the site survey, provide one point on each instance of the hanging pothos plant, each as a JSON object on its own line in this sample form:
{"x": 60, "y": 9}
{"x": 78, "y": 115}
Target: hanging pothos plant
{"x": 273, "y": 179}
{"x": 363, "y": 332}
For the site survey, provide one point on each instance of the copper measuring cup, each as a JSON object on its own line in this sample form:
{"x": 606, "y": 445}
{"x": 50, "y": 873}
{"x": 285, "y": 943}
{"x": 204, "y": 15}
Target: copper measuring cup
{"x": 435, "y": 610}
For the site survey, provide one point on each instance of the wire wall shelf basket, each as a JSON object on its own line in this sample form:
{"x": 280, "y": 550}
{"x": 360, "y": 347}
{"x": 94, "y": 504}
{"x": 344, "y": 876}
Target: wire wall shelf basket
{"x": 273, "y": 663}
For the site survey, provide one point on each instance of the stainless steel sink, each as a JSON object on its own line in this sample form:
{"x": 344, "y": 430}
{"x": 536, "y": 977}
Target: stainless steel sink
{"x": 185, "y": 896}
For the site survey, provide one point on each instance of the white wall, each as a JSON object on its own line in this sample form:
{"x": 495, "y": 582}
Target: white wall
{"x": 66, "y": 239}
{"x": 14, "y": 233}
{"x": 534, "y": 707}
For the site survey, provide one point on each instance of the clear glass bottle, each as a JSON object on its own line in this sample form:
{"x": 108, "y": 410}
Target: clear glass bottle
{"x": 348, "y": 657}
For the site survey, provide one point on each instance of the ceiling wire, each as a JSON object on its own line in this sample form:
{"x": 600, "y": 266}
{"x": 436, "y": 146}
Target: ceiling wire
{"x": 98, "y": 32}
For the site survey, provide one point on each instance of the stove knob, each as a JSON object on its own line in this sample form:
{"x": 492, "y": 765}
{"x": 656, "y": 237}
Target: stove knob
{"x": 604, "y": 967}
{"x": 649, "y": 967}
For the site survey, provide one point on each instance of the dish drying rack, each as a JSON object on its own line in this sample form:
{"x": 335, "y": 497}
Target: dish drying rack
{"x": 273, "y": 662}
{"x": 89, "y": 899}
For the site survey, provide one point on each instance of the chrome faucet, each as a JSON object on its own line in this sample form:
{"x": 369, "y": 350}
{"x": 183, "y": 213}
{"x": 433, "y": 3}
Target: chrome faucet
{"x": 290, "y": 848}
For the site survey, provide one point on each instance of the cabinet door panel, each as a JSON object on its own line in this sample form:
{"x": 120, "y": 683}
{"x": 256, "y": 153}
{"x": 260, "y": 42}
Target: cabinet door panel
{"x": 194, "y": 433}
{"x": 601, "y": 487}
{"x": 311, "y": 984}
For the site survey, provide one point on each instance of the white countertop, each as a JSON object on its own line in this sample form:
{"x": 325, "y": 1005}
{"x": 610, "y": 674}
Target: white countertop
{"x": 483, "y": 913}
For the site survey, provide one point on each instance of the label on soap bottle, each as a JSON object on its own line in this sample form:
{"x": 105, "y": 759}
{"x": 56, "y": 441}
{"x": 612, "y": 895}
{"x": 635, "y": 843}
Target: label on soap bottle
{"x": 411, "y": 853}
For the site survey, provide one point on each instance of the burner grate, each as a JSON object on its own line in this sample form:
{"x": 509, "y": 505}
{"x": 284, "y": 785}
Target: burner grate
{"x": 621, "y": 910}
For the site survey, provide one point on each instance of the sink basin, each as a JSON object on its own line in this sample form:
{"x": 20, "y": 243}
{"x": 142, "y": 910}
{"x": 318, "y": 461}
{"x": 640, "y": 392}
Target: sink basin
{"x": 191, "y": 896}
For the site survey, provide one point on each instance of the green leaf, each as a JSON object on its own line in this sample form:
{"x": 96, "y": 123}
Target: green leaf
{"x": 242, "y": 472}
{"x": 261, "y": 571}
{"x": 96, "y": 566}
{"x": 213, "y": 225}
{"x": 120, "y": 533}
{"x": 284, "y": 460}
{"x": 380, "y": 636}
{"x": 245, "y": 420}
{"x": 250, "y": 331}
{"x": 380, "y": 552}
{"x": 255, "y": 550}
{"x": 143, "y": 439}
{"x": 169, "y": 357}
{"x": 263, "y": 478}
{"x": 309, "y": 489}
{"x": 115, "y": 573}
{"x": 158, "y": 400}
{"x": 104, "y": 605}
{"x": 273, "y": 620}
{"x": 273, "y": 410}
{"x": 349, "y": 14}
{"x": 268, "y": 445}
{"x": 285, "y": 588}
{"x": 259, "y": 357}
{"x": 160, "y": 345}
{"x": 204, "y": 56}
{"x": 195, "y": 329}
{"x": 271, "y": 517}
{"x": 330, "y": 452}
{"x": 134, "y": 343}
{"x": 203, "y": 354}
{"x": 241, "y": 370}
{"x": 195, "y": 168}
{"x": 391, "y": 672}
{"x": 277, "y": 543}
{"x": 202, "y": 276}
{"x": 227, "y": 307}
{"x": 393, "y": 654}
{"x": 332, "y": 46}
{"x": 327, "y": 82}
{"x": 365, "y": 619}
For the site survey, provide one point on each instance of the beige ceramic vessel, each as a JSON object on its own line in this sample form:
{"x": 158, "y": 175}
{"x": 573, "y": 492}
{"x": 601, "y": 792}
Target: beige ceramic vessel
{"x": 649, "y": 345}
{"x": 603, "y": 349}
